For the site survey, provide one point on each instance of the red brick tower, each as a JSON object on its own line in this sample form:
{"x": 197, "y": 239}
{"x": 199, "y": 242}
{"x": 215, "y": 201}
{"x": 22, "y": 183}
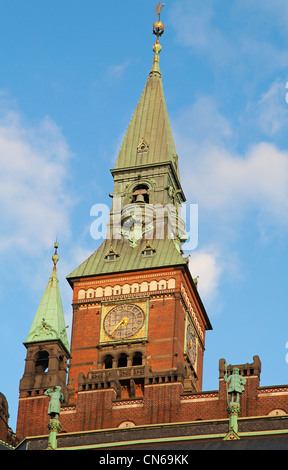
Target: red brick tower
{"x": 138, "y": 321}
{"x": 138, "y": 332}
{"x": 48, "y": 352}
{"x": 139, "y": 325}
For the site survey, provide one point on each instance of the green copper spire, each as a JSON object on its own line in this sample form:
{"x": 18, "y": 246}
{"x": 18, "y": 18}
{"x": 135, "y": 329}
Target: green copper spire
{"x": 150, "y": 123}
{"x": 48, "y": 323}
{"x": 146, "y": 175}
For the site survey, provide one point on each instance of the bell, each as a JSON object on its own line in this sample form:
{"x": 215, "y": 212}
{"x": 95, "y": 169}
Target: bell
{"x": 140, "y": 198}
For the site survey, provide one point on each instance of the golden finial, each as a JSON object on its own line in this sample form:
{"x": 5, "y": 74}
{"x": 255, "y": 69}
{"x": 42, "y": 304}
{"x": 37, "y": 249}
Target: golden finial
{"x": 158, "y": 26}
{"x": 55, "y": 257}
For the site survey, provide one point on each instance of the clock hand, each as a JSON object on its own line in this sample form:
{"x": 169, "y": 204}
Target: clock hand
{"x": 123, "y": 321}
{"x": 117, "y": 326}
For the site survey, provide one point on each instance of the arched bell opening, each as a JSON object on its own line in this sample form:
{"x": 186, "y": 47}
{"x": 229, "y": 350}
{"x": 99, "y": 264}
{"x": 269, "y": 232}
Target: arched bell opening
{"x": 41, "y": 361}
{"x": 140, "y": 194}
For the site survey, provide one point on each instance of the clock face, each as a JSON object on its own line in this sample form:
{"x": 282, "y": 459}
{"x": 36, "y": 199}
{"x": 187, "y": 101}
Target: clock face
{"x": 191, "y": 345}
{"x": 123, "y": 321}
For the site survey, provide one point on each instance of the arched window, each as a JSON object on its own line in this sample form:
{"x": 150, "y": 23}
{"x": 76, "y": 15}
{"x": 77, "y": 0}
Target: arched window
{"x": 99, "y": 292}
{"x": 108, "y": 291}
{"x": 277, "y": 412}
{"x": 153, "y": 285}
{"x": 144, "y": 286}
{"x": 108, "y": 362}
{"x": 171, "y": 283}
{"x": 135, "y": 287}
{"x": 81, "y": 294}
{"x": 140, "y": 194}
{"x": 122, "y": 360}
{"x": 90, "y": 293}
{"x": 41, "y": 361}
{"x": 126, "y": 289}
{"x": 137, "y": 359}
{"x": 117, "y": 290}
{"x": 126, "y": 424}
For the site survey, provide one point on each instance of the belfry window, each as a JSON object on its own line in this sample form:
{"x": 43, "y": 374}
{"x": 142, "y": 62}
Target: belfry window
{"x": 140, "y": 194}
{"x": 122, "y": 360}
{"x": 41, "y": 361}
{"x": 137, "y": 359}
{"x": 108, "y": 362}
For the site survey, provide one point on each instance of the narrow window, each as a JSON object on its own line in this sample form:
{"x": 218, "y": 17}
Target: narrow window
{"x": 41, "y": 361}
{"x": 137, "y": 359}
{"x": 122, "y": 360}
{"x": 108, "y": 362}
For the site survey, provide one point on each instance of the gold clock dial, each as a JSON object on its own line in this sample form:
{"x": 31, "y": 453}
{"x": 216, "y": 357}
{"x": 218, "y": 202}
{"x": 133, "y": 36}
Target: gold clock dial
{"x": 123, "y": 321}
{"x": 191, "y": 345}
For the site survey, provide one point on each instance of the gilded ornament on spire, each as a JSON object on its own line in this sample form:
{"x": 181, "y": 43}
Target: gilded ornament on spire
{"x": 55, "y": 257}
{"x": 158, "y": 28}
{"x": 158, "y": 9}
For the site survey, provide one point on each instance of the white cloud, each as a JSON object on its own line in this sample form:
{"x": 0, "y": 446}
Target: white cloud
{"x": 203, "y": 122}
{"x": 232, "y": 188}
{"x": 205, "y": 264}
{"x": 221, "y": 180}
{"x": 249, "y": 43}
{"x": 263, "y": 11}
{"x": 235, "y": 185}
{"x": 198, "y": 30}
{"x": 116, "y": 71}
{"x": 34, "y": 207}
{"x": 270, "y": 112}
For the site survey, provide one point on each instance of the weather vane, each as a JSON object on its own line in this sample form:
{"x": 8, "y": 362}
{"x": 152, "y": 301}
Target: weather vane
{"x": 158, "y": 9}
{"x": 158, "y": 27}
{"x": 55, "y": 257}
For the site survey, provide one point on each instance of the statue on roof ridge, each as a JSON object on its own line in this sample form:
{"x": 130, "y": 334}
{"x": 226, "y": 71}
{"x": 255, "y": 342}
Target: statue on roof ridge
{"x": 235, "y": 385}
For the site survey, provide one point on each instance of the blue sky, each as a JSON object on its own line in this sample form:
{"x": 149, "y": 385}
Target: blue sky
{"x": 71, "y": 75}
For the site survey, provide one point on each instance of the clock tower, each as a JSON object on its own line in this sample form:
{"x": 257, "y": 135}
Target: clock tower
{"x": 138, "y": 321}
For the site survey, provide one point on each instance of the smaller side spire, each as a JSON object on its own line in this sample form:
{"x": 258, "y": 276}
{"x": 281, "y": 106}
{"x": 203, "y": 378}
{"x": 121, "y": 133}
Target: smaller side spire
{"x": 49, "y": 323}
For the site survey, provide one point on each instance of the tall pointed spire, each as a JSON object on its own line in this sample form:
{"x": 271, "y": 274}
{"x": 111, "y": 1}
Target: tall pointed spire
{"x": 146, "y": 174}
{"x": 150, "y": 121}
{"x": 49, "y": 323}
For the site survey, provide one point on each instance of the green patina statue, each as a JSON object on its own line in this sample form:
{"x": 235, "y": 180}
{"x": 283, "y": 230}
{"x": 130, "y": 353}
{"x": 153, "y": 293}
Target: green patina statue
{"x": 54, "y": 408}
{"x": 235, "y": 385}
{"x": 55, "y": 401}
